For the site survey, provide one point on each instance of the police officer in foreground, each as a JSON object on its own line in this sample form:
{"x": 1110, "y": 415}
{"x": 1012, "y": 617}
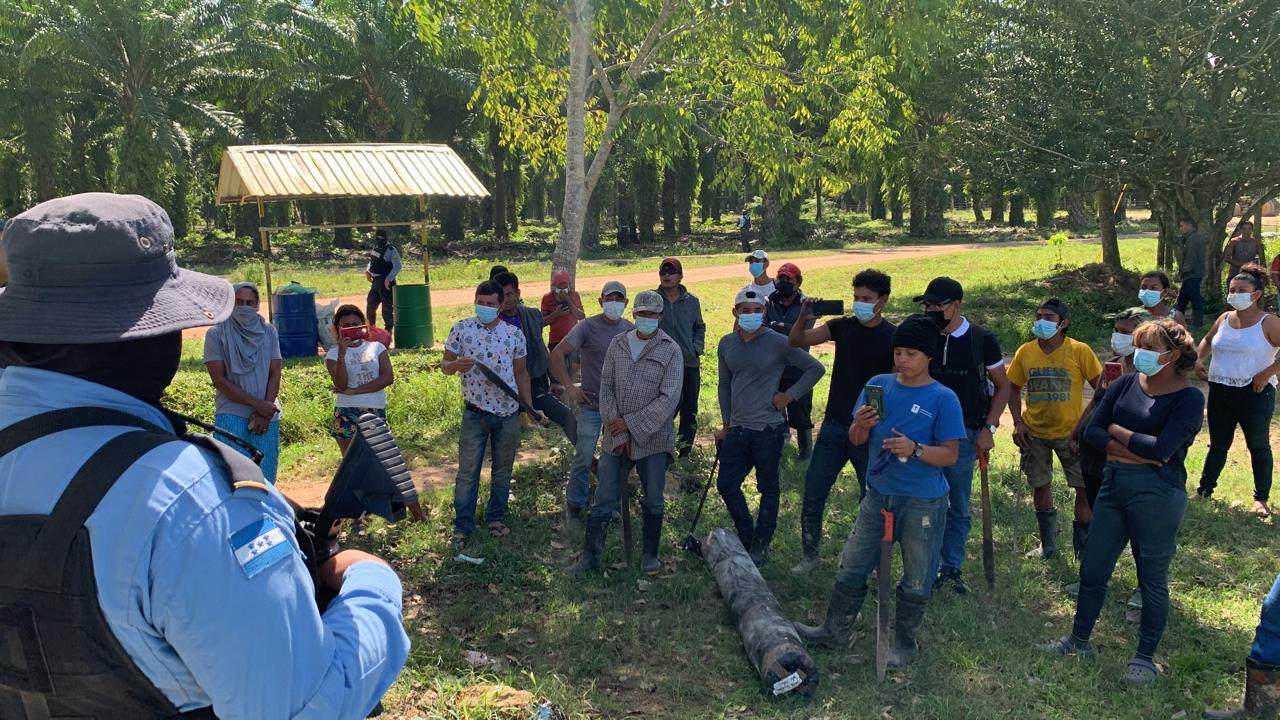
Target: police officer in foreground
{"x": 146, "y": 576}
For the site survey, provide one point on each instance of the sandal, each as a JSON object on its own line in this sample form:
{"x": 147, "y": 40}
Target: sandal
{"x": 1141, "y": 672}
{"x": 498, "y": 530}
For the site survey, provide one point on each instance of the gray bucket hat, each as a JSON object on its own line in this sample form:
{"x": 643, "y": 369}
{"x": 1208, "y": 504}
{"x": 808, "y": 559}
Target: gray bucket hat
{"x": 100, "y": 267}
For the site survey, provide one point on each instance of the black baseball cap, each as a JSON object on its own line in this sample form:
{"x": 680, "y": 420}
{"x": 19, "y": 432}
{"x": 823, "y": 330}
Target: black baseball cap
{"x": 941, "y": 290}
{"x": 1057, "y": 307}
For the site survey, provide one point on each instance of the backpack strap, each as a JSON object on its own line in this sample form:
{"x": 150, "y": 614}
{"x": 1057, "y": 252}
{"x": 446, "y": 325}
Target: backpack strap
{"x": 48, "y": 423}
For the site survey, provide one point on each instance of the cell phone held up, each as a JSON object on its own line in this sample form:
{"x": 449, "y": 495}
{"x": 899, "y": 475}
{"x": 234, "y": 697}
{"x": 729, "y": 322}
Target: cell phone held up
{"x": 1111, "y": 372}
{"x": 828, "y": 307}
{"x": 357, "y": 332}
{"x": 875, "y": 398}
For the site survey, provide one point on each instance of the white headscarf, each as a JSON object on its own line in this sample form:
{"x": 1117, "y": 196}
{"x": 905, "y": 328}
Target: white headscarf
{"x": 244, "y": 336}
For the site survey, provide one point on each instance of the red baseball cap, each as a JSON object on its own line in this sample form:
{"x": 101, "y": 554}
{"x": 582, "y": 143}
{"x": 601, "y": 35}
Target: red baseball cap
{"x": 560, "y": 277}
{"x": 673, "y": 262}
{"x": 789, "y": 270}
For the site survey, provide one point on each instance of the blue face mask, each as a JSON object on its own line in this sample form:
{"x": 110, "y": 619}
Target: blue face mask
{"x": 864, "y": 311}
{"x": 613, "y": 309}
{"x": 486, "y": 314}
{"x": 757, "y": 269}
{"x": 750, "y": 321}
{"x": 1147, "y": 362}
{"x": 1149, "y": 298}
{"x": 1044, "y": 329}
{"x": 646, "y": 325}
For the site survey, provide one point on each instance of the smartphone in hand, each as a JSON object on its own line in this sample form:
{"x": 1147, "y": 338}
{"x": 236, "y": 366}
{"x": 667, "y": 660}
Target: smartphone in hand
{"x": 875, "y": 398}
{"x": 1111, "y": 372}
{"x": 357, "y": 332}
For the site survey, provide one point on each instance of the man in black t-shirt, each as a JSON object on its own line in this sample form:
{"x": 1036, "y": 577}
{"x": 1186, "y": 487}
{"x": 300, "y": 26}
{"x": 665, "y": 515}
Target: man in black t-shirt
{"x": 969, "y": 362}
{"x": 864, "y": 349}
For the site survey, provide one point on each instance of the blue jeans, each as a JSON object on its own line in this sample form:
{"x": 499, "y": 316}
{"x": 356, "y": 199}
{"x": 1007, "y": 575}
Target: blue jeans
{"x": 917, "y": 528}
{"x": 614, "y": 470}
{"x": 268, "y": 442}
{"x": 1134, "y": 506}
{"x": 960, "y": 480}
{"x": 579, "y": 490}
{"x": 831, "y": 452}
{"x": 741, "y": 451}
{"x": 502, "y": 434}
{"x": 1266, "y": 643}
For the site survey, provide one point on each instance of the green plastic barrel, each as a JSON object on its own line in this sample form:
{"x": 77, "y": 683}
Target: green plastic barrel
{"x": 413, "y": 316}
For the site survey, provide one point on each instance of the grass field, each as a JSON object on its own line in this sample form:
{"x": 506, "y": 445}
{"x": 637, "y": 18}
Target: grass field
{"x": 620, "y": 644}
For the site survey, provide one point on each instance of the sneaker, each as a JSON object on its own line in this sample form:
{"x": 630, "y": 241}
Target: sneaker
{"x": 572, "y": 518}
{"x": 1074, "y": 589}
{"x": 759, "y": 555}
{"x": 1066, "y": 645}
{"x": 805, "y": 566}
{"x": 952, "y": 577}
{"x": 1135, "y": 600}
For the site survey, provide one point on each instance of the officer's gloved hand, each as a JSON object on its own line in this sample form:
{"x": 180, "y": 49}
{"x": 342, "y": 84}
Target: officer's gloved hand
{"x": 332, "y": 570}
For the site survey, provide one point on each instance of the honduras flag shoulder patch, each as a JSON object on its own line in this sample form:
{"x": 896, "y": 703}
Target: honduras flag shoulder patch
{"x": 259, "y": 545}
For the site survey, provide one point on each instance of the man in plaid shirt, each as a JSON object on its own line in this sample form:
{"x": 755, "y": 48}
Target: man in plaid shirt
{"x": 639, "y": 390}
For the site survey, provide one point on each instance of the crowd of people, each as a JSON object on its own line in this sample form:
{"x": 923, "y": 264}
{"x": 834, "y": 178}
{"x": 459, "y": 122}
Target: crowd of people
{"x": 912, "y": 406}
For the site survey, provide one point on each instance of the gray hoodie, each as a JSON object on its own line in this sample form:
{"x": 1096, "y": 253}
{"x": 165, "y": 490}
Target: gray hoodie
{"x": 682, "y": 320}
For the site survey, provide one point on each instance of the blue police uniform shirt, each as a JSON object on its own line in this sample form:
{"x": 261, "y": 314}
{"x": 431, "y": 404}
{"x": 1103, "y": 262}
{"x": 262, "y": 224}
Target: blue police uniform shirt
{"x": 929, "y": 414}
{"x": 192, "y": 577}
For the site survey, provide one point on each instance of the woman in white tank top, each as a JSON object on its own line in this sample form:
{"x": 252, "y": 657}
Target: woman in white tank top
{"x": 1242, "y": 382}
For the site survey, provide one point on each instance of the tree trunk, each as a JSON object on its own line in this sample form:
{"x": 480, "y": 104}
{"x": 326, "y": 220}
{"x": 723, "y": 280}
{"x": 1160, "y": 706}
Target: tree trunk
{"x": 1165, "y": 213}
{"x": 646, "y": 191}
{"x": 1106, "y": 199}
{"x": 1046, "y": 205}
{"x": 669, "y": 201}
{"x": 342, "y": 237}
{"x": 1017, "y": 207}
{"x": 498, "y": 191}
{"x": 975, "y": 199}
{"x": 928, "y": 205}
{"x": 574, "y": 210}
{"x": 515, "y": 187}
{"x": 875, "y": 196}
{"x": 817, "y": 194}
{"x": 895, "y": 206}
{"x": 686, "y": 185}
{"x": 1078, "y": 212}
{"x": 997, "y": 207}
{"x": 453, "y": 215}
{"x": 708, "y": 196}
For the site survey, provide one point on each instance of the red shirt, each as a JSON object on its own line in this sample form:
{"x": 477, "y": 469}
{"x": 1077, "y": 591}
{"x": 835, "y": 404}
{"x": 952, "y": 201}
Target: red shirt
{"x": 563, "y": 324}
{"x": 1275, "y": 265}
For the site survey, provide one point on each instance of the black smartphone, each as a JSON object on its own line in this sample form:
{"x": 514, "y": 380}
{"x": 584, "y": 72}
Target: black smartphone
{"x": 875, "y": 398}
{"x": 828, "y": 307}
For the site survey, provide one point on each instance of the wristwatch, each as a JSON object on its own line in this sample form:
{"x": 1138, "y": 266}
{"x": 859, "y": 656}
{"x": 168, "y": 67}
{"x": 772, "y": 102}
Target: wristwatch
{"x": 992, "y": 428}
{"x": 918, "y": 452}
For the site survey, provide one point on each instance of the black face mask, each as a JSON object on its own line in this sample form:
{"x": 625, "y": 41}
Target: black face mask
{"x": 140, "y": 368}
{"x": 939, "y": 318}
{"x": 785, "y": 289}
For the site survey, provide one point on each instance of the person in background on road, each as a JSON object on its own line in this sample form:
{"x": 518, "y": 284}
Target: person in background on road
{"x": 1152, "y": 291}
{"x": 190, "y": 590}
{"x": 242, "y": 355}
{"x": 1054, "y": 369}
{"x": 758, "y": 266}
{"x": 361, "y": 373}
{"x": 561, "y": 308}
{"x": 639, "y": 392}
{"x": 1242, "y": 383}
{"x": 744, "y": 230}
{"x": 1192, "y": 267}
{"x": 497, "y": 270}
{"x": 383, "y": 267}
{"x": 864, "y": 349}
{"x": 1262, "y": 667}
{"x": 1243, "y": 249}
{"x": 752, "y": 359}
{"x": 590, "y": 338}
{"x": 490, "y": 416}
{"x": 1145, "y": 424}
{"x": 918, "y": 436}
{"x": 529, "y": 321}
{"x": 968, "y": 362}
{"x": 780, "y": 314}
{"x": 682, "y": 321}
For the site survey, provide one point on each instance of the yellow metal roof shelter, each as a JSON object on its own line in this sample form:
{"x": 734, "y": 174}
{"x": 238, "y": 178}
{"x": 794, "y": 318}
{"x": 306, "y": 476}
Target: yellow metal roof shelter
{"x": 267, "y": 173}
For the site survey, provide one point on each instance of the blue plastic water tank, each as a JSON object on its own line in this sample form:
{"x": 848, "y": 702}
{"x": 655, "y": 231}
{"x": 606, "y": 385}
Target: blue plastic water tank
{"x": 295, "y": 319}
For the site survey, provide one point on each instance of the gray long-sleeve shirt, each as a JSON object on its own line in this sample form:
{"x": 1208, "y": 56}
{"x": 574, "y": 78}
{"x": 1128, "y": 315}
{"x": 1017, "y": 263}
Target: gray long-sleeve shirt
{"x": 1191, "y": 263}
{"x": 749, "y": 375}
{"x": 682, "y": 320}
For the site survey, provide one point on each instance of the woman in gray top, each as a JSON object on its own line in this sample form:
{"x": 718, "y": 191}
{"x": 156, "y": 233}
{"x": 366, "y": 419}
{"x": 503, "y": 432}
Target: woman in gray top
{"x": 242, "y": 355}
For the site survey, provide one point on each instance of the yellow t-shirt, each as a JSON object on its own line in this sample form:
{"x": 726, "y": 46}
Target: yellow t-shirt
{"x": 1054, "y": 385}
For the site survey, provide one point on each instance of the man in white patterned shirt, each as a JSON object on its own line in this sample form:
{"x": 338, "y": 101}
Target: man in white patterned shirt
{"x": 490, "y": 416}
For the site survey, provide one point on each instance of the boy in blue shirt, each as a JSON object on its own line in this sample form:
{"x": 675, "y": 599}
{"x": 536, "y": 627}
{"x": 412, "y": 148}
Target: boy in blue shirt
{"x": 918, "y": 436}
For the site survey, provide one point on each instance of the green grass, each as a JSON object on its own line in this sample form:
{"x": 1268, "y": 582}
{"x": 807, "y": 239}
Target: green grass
{"x": 620, "y": 644}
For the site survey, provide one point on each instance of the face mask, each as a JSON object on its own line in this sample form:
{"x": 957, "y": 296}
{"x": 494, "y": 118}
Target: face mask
{"x": 1240, "y": 301}
{"x": 939, "y": 318}
{"x": 1147, "y": 362}
{"x": 1122, "y": 344}
{"x": 1044, "y": 329}
{"x": 864, "y": 311}
{"x": 646, "y": 325}
{"x": 750, "y": 321}
{"x": 757, "y": 269}
{"x": 486, "y": 314}
{"x": 244, "y": 316}
{"x": 1149, "y": 298}
{"x": 613, "y": 309}
{"x": 785, "y": 289}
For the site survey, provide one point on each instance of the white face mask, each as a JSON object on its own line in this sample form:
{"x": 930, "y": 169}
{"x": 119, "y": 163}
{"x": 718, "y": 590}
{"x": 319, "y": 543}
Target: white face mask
{"x": 1122, "y": 344}
{"x": 613, "y": 309}
{"x": 1240, "y": 301}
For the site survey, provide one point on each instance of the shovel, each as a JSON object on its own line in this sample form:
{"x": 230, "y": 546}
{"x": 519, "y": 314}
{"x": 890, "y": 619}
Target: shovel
{"x": 691, "y": 543}
{"x": 988, "y": 546}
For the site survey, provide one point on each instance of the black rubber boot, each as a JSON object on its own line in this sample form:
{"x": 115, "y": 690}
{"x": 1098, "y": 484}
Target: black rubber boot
{"x": 652, "y": 537}
{"x": 1048, "y": 522}
{"x": 842, "y": 612}
{"x": 910, "y": 614}
{"x": 1261, "y": 694}
{"x": 804, "y": 444}
{"x": 810, "y": 536}
{"x": 592, "y": 549}
{"x": 1079, "y": 535}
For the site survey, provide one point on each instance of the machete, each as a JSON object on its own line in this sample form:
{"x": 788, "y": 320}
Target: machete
{"x": 502, "y": 385}
{"x": 988, "y": 546}
{"x": 883, "y": 582}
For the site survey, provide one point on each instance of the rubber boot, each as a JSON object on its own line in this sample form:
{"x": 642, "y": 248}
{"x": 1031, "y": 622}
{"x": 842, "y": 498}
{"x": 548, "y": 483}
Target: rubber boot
{"x": 810, "y": 535}
{"x": 842, "y": 612}
{"x": 910, "y": 613}
{"x": 652, "y": 537}
{"x": 572, "y": 518}
{"x": 592, "y": 549}
{"x": 1261, "y": 694}
{"x": 804, "y": 445}
{"x": 1079, "y": 535}
{"x": 1048, "y": 522}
